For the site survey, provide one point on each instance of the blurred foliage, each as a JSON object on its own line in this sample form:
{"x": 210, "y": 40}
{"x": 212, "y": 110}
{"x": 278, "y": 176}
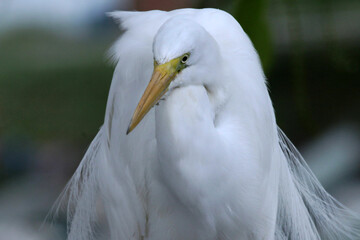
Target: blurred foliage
{"x": 318, "y": 79}
{"x": 331, "y": 86}
{"x": 298, "y": 73}
{"x": 252, "y": 16}
{"x": 52, "y": 87}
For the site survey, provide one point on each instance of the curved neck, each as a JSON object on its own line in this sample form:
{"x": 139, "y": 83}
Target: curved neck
{"x": 185, "y": 113}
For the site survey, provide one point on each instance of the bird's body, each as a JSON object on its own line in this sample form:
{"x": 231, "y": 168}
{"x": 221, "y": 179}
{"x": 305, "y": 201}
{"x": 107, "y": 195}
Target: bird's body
{"x": 202, "y": 181}
{"x": 207, "y": 162}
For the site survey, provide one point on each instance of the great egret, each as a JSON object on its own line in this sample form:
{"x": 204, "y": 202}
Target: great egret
{"x": 207, "y": 163}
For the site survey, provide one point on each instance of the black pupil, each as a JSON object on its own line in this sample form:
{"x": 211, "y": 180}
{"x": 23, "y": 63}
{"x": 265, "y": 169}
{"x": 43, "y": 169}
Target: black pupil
{"x": 184, "y": 58}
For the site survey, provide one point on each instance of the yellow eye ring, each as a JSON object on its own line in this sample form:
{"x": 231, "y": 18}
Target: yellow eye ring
{"x": 184, "y": 58}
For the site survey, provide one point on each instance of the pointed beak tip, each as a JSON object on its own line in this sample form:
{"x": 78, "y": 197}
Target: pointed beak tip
{"x": 128, "y": 129}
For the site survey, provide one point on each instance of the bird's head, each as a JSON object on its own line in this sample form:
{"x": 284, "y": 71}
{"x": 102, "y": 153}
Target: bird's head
{"x": 184, "y": 54}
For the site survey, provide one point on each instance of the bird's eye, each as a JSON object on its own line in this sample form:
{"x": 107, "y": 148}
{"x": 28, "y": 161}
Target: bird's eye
{"x": 185, "y": 58}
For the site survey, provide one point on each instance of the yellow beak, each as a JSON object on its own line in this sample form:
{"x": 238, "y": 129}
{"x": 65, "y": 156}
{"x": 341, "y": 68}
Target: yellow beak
{"x": 157, "y": 87}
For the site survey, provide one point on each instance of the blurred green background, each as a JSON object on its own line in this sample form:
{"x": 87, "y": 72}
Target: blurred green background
{"x": 55, "y": 77}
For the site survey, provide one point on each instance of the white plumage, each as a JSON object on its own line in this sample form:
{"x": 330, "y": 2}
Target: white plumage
{"x": 207, "y": 163}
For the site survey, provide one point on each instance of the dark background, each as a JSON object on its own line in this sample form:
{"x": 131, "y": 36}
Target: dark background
{"x": 55, "y": 77}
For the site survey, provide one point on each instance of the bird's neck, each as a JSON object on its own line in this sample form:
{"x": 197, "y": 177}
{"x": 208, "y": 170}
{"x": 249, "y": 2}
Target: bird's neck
{"x": 185, "y": 116}
{"x": 186, "y": 141}
{"x": 218, "y": 96}
{"x": 218, "y": 87}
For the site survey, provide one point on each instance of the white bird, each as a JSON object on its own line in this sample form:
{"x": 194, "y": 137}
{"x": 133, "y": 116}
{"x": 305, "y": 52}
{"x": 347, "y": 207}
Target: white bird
{"x": 202, "y": 158}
